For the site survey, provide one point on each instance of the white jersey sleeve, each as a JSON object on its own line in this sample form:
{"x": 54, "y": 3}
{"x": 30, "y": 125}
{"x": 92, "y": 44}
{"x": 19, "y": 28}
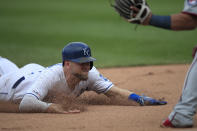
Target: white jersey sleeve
{"x": 98, "y": 82}
{"x": 46, "y": 81}
{"x": 190, "y": 7}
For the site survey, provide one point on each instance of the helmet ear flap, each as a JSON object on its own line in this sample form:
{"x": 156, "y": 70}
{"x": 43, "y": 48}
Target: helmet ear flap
{"x": 91, "y": 64}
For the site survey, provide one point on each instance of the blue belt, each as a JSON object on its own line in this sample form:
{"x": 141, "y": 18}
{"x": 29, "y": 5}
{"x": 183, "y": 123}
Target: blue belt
{"x": 18, "y": 82}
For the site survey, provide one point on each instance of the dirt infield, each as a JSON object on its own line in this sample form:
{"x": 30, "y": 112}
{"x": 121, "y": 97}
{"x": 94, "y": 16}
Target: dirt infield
{"x": 155, "y": 81}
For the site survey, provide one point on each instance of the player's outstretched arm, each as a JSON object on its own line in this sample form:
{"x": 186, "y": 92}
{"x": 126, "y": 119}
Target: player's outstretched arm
{"x": 180, "y": 21}
{"x": 138, "y": 12}
{"x": 183, "y": 21}
{"x": 31, "y": 104}
{"x": 116, "y": 93}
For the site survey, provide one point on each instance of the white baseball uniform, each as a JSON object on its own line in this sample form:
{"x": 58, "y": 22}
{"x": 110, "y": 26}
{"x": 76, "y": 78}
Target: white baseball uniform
{"x": 190, "y": 7}
{"x": 37, "y": 80}
{"x": 183, "y": 112}
{"x": 7, "y": 66}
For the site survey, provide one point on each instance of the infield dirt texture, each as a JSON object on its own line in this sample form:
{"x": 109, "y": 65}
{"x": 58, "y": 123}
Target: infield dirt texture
{"x": 155, "y": 81}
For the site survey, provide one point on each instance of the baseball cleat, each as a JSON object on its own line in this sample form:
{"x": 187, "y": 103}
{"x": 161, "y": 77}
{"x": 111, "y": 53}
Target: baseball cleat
{"x": 167, "y": 123}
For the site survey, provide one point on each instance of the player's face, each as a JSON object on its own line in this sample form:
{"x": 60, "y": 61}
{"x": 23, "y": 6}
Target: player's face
{"x": 80, "y": 70}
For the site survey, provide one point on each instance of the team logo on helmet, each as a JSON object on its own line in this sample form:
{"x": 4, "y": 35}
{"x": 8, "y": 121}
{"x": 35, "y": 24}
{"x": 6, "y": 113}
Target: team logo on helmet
{"x": 86, "y": 51}
{"x": 192, "y": 2}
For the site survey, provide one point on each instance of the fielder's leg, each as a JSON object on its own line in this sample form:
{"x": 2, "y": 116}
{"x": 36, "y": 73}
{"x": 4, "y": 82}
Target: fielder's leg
{"x": 182, "y": 115}
{"x": 6, "y": 66}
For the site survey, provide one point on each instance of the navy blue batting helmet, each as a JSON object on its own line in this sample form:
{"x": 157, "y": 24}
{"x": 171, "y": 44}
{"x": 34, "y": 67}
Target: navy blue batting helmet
{"x": 78, "y": 52}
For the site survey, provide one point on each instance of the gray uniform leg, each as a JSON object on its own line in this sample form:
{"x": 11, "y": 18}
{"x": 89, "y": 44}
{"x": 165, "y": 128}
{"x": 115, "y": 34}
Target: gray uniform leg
{"x": 182, "y": 115}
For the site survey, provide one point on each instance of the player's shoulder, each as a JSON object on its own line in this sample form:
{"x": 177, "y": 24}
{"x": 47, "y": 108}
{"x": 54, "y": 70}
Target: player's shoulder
{"x": 190, "y": 7}
{"x": 55, "y": 72}
{"x": 32, "y": 66}
{"x": 93, "y": 74}
{"x": 93, "y": 71}
{"x": 191, "y": 2}
{"x": 56, "y": 68}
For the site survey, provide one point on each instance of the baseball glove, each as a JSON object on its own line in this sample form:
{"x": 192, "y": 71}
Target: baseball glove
{"x": 134, "y": 11}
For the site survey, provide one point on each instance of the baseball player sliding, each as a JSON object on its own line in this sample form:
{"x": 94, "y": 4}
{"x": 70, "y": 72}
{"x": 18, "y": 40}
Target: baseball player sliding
{"x": 138, "y": 12}
{"x": 30, "y": 84}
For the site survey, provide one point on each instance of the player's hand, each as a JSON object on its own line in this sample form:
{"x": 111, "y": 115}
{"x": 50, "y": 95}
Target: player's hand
{"x": 145, "y": 100}
{"x": 134, "y": 11}
{"x": 56, "y": 108}
{"x": 194, "y": 51}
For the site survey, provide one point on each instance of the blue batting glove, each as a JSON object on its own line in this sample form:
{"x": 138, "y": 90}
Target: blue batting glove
{"x": 145, "y": 100}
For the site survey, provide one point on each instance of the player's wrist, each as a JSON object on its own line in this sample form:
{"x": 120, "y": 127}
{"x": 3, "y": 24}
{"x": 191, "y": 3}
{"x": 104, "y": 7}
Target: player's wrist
{"x": 147, "y": 20}
{"x": 160, "y": 21}
{"x": 136, "y": 98}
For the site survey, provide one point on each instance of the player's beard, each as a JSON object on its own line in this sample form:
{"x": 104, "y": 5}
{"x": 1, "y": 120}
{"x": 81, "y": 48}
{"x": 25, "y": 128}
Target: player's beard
{"x": 82, "y": 77}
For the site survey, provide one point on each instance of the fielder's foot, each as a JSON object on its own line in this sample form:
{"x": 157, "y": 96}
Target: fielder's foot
{"x": 166, "y": 124}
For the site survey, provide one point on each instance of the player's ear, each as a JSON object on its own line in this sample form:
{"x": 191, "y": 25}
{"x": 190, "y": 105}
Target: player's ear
{"x": 64, "y": 63}
{"x": 67, "y": 63}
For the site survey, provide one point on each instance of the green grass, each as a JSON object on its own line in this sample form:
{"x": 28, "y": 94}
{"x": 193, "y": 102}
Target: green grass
{"x": 37, "y": 30}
